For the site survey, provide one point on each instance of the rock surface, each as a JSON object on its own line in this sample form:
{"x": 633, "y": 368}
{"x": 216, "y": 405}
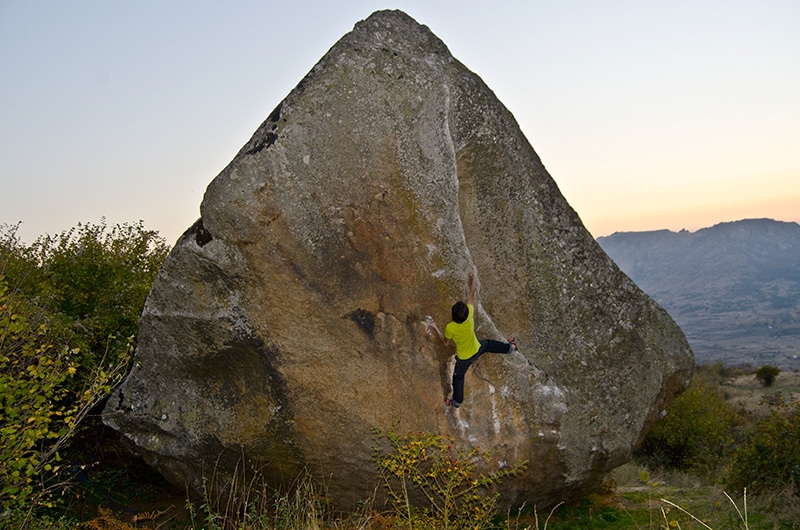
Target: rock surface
{"x": 286, "y": 324}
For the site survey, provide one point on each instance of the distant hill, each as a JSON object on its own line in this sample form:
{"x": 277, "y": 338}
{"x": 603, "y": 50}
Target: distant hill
{"x": 733, "y": 288}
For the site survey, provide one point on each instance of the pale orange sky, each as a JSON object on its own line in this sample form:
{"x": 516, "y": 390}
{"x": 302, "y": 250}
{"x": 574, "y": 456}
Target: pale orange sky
{"x": 648, "y": 115}
{"x": 638, "y": 204}
{"x": 692, "y": 218}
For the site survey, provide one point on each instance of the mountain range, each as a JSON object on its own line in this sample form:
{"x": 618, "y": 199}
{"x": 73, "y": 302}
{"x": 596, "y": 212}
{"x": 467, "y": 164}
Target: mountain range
{"x": 734, "y": 288}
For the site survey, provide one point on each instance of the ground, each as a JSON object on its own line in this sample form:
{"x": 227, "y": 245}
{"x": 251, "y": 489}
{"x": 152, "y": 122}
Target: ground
{"x": 632, "y": 497}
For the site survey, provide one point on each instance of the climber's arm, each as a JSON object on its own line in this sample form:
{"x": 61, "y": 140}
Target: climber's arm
{"x": 432, "y": 325}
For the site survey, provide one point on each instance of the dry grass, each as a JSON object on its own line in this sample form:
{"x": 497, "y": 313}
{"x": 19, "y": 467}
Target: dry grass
{"x": 746, "y": 391}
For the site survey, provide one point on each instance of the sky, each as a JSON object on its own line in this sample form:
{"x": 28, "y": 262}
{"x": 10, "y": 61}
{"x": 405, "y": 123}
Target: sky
{"x": 647, "y": 114}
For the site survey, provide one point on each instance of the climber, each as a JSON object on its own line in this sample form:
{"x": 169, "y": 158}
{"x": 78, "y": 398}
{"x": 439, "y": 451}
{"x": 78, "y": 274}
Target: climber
{"x": 461, "y": 331}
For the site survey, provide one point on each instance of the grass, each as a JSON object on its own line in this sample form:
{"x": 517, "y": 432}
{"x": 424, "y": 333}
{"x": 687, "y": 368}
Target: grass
{"x": 636, "y": 498}
{"x": 676, "y": 502}
{"x": 633, "y": 497}
{"x": 747, "y": 392}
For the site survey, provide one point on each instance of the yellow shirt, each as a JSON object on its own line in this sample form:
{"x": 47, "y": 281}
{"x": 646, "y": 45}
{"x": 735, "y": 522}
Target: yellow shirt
{"x": 463, "y": 335}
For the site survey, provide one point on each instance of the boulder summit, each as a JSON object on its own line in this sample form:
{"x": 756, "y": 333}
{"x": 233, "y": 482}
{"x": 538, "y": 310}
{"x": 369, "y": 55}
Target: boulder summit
{"x": 286, "y": 326}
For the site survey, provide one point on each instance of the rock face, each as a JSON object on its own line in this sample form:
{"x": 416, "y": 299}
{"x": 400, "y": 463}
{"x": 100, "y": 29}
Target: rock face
{"x": 286, "y": 324}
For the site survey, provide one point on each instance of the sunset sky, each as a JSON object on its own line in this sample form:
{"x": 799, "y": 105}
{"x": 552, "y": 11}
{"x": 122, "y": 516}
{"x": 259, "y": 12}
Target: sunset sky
{"x": 648, "y": 115}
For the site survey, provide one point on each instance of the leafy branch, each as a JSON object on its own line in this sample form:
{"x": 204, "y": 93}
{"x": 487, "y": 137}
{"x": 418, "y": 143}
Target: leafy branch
{"x": 447, "y": 477}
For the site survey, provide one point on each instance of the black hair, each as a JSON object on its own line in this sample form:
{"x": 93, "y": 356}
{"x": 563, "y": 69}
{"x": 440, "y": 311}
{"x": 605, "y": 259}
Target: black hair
{"x": 460, "y": 312}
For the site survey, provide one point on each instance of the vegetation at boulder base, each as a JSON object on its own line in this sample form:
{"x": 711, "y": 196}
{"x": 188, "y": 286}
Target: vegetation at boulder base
{"x": 41, "y": 410}
{"x": 456, "y": 493}
{"x": 697, "y": 432}
{"x": 69, "y": 309}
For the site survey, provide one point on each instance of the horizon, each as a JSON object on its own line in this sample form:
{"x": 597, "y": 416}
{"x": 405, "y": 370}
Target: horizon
{"x": 28, "y": 240}
{"x": 700, "y": 228}
{"x": 647, "y": 117}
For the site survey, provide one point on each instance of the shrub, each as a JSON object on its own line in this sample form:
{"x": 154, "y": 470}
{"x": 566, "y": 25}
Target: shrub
{"x": 86, "y": 286}
{"x": 98, "y": 278}
{"x": 39, "y": 411}
{"x": 457, "y": 495}
{"x": 69, "y": 310}
{"x": 696, "y": 433}
{"x": 767, "y": 374}
{"x": 770, "y": 460}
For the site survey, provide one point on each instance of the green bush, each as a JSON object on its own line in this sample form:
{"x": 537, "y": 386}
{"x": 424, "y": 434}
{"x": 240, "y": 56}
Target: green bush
{"x": 767, "y": 374}
{"x": 446, "y": 477}
{"x": 770, "y": 460}
{"x": 39, "y": 411}
{"x": 69, "y": 310}
{"x": 93, "y": 276}
{"x": 32, "y": 375}
{"x": 697, "y": 432}
{"x": 89, "y": 283}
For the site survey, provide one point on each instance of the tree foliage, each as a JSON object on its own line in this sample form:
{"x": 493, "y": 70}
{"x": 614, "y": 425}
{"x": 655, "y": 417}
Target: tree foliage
{"x": 94, "y": 276}
{"x": 770, "y": 459}
{"x": 40, "y": 411}
{"x": 69, "y": 310}
{"x": 767, "y": 374}
{"x": 696, "y": 433}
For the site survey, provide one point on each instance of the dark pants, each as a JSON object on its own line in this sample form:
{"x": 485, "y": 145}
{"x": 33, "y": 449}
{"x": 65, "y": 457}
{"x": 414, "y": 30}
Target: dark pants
{"x": 487, "y": 345}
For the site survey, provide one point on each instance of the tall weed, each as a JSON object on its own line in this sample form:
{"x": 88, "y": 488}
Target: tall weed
{"x": 446, "y": 477}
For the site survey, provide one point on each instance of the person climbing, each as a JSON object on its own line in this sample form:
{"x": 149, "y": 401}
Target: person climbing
{"x": 461, "y": 331}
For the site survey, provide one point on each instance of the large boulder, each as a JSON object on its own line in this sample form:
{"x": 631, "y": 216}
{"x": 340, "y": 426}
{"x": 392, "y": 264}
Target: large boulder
{"x": 286, "y": 326}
